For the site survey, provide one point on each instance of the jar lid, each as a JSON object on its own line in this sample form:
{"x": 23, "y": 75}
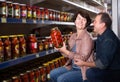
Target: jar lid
{"x": 9, "y": 2}
{"x": 2, "y": 0}
{"x": 22, "y": 4}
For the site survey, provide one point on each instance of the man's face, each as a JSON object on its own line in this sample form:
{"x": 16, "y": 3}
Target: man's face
{"x": 97, "y": 24}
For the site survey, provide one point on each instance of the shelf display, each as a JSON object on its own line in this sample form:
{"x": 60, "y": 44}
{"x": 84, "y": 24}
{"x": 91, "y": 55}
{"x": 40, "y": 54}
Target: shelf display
{"x": 15, "y": 45}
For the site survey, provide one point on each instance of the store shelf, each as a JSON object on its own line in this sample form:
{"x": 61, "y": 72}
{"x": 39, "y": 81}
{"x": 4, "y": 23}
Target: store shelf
{"x": 25, "y": 58}
{"x": 95, "y": 3}
{"x": 28, "y": 21}
{"x": 79, "y": 6}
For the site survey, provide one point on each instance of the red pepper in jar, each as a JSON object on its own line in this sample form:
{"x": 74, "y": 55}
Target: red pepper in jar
{"x": 7, "y": 48}
{"x": 24, "y": 77}
{"x": 38, "y": 13}
{"x": 32, "y": 43}
{"x": 1, "y": 50}
{"x": 14, "y": 46}
{"x": 10, "y": 9}
{"x": 22, "y": 45}
{"x": 15, "y": 79}
{"x": 29, "y": 12}
{"x": 34, "y": 15}
{"x": 16, "y": 7}
{"x": 46, "y": 13}
{"x": 3, "y": 9}
{"x": 23, "y": 11}
{"x": 56, "y": 37}
{"x": 31, "y": 76}
{"x": 37, "y": 75}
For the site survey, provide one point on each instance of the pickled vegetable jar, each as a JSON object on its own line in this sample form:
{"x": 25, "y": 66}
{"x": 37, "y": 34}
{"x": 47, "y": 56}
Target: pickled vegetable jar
{"x": 56, "y": 37}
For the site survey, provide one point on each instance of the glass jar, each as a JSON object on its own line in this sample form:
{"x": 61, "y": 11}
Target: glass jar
{"x": 32, "y": 43}
{"x": 37, "y": 75}
{"x": 22, "y": 45}
{"x": 42, "y": 14}
{"x": 23, "y": 11}
{"x": 47, "y": 70}
{"x": 1, "y": 50}
{"x": 50, "y": 14}
{"x": 46, "y": 13}
{"x": 16, "y": 7}
{"x": 31, "y": 76}
{"x": 24, "y": 77}
{"x": 29, "y": 12}
{"x": 38, "y": 13}
{"x": 3, "y": 8}
{"x": 43, "y": 74}
{"x": 40, "y": 45}
{"x": 34, "y": 15}
{"x": 14, "y": 46}
{"x": 15, "y": 79}
{"x": 56, "y": 37}
{"x": 46, "y": 44}
{"x": 7, "y": 48}
{"x": 9, "y": 9}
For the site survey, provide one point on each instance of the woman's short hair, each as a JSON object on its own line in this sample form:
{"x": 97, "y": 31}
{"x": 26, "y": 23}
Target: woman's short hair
{"x": 84, "y": 15}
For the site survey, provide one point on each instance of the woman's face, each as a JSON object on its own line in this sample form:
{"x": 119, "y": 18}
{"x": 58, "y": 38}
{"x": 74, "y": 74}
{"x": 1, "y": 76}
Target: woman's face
{"x": 80, "y": 22}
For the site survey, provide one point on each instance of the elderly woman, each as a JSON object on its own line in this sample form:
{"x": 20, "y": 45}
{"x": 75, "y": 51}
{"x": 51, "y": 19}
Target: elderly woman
{"x": 80, "y": 46}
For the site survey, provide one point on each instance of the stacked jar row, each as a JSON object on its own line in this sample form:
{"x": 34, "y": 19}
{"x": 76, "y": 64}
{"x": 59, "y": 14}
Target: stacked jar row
{"x": 15, "y": 46}
{"x": 40, "y": 74}
{"x": 16, "y": 10}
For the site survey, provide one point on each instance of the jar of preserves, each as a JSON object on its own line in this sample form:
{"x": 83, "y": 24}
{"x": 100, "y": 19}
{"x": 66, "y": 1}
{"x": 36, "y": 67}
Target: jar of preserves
{"x": 16, "y": 7}
{"x": 32, "y": 43}
{"x": 52, "y": 65}
{"x": 38, "y": 13}
{"x": 46, "y": 13}
{"x": 23, "y": 11}
{"x": 1, "y": 50}
{"x": 47, "y": 70}
{"x": 22, "y": 45}
{"x": 14, "y": 46}
{"x": 37, "y": 75}
{"x": 42, "y": 13}
{"x": 43, "y": 74}
{"x": 9, "y": 9}
{"x": 3, "y": 10}
{"x": 15, "y": 79}
{"x": 46, "y": 44}
{"x": 24, "y": 77}
{"x": 50, "y": 14}
{"x": 31, "y": 76}
{"x": 40, "y": 45}
{"x": 34, "y": 14}
{"x": 7, "y": 48}
{"x": 56, "y": 37}
{"x": 29, "y": 12}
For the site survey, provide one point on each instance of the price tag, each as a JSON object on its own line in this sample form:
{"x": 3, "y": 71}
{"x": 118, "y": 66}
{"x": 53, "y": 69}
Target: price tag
{"x": 43, "y": 21}
{"x": 47, "y": 52}
{"x": 3, "y": 20}
{"x": 37, "y": 55}
{"x": 23, "y": 20}
{"x": 52, "y": 51}
{"x": 34, "y": 21}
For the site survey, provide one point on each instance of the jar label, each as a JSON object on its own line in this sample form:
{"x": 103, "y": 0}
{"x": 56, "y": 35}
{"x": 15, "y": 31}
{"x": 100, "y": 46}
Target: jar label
{"x": 24, "y": 13}
{"x": 3, "y": 10}
{"x": 10, "y": 11}
{"x": 17, "y": 12}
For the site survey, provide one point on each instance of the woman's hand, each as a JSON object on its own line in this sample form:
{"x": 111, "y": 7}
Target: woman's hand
{"x": 63, "y": 49}
{"x": 78, "y": 61}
